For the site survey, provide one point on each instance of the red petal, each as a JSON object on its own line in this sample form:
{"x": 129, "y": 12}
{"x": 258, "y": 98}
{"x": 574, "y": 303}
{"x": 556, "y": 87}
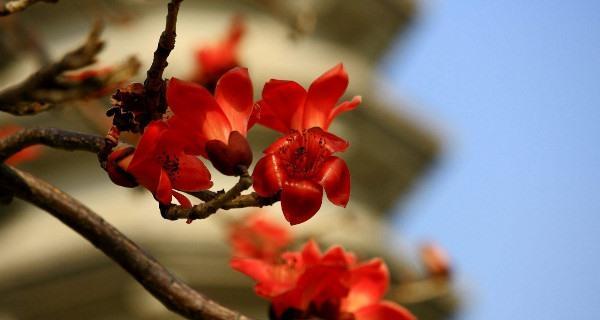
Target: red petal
{"x": 183, "y": 200}
{"x": 332, "y": 142}
{"x": 368, "y": 284}
{"x": 164, "y": 190}
{"x": 300, "y": 200}
{"x": 323, "y": 95}
{"x": 234, "y": 95}
{"x": 384, "y": 311}
{"x": 146, "y": 148}
{"x": 311, "y": 254}
{"x": 197, "y": 109}
{"x": 268, "y": 176}
{"x": 192, "y": 174}
{"x": 343, "y": 107}
{"x": 335, "y": 178}
{"x": 282, "y": 105}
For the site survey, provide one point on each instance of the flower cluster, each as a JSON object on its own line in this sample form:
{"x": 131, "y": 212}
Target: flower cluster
{"x": 297, "y": 167}
{"x": 309, "y": 284}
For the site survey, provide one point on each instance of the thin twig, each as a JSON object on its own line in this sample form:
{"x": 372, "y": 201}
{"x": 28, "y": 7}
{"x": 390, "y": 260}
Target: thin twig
{"x": 32, "y": 95}
{"x": 170, "y": 291}
{"x": 155, "y": 84}
{"x": 15, "y": 6}
{"x": 203, "y": 211}
{"x": 52, "y": 137}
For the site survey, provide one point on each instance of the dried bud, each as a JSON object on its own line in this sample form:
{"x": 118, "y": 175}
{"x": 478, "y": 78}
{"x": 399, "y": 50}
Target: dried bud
{"x": 435, "y": 259}
{"x": 129, "y": 108}
{"x": 118, "y": 160}
{"x": 230, "y": 158}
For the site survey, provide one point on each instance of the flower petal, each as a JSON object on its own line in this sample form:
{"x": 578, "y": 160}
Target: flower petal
{"x": 146, "y": 147}
{"x": 282, "y": 105}
{"x": 384, "y": 311}
{"x": 192, "y": 174}
{"x": 343, "y": 107}
{"x": 323, "y": 95}
{"x": 335, "y": 178}
{"x": 183, "y": 200}
{"x": 234, "y": 95}
{"x": 368, "y": 283}
{"x": 196, "y": 110}
{"x": 300, "y": 200}
{"x": 164, "y": 190}
{"x": 332, "y": 142}
{"x": 268, "y": 175}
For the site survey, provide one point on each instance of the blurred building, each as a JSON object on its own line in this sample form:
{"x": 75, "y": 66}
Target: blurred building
{"x": 49, "y": 272}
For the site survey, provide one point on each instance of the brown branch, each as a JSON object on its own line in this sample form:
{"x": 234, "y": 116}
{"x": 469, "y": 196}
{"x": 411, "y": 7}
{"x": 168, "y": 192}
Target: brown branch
{"x": 32, "y": 95}
{"x": 15, "y": 6}
{"x": 203, "y": 211}
{"x": 52, "y": 137}
{"x": 171, "y": 292}
{"x": 155, "y": 85}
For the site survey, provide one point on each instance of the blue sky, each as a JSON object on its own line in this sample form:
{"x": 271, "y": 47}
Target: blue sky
{"x": 516, "y": 197}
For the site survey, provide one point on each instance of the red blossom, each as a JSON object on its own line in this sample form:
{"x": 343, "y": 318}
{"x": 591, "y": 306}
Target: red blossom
{"x": 329, "y": 286}
{"x": 25, "y": 155}
{"x": 301, "y": 164}
{"x": 216, "y": 59}
{"x": 259, "y": 237}
{"x": 216, "y": 127}
{"x": 161, "y": 164}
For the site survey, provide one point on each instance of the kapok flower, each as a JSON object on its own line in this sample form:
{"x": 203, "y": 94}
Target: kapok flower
{"x": 214, "y": 60}
{"x": 215, "y": 127}
{"x": 25, "y": 155}
{"x": 329, "y": 286}
{"x": 257, "y": 236}
{"x": 160, "y": 164}
{"x": 301, "y": 164}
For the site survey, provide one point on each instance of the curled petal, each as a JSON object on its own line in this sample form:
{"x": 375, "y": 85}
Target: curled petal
{"x": 268, "y": 176}
{"x": 191, "y": 175}
{"x": 384, "y": 311}
{"x": 300, "y": 200}
{"x": 323, "y": 95}
{"x": 231, "y": 157}
{"x": 368, "y": 284}
{"x": 343, "y": 107}
{"x": 234, "y": 95}
{"x": 183, "y": 200}
{"x": 148, "y": 142}
{"x": 282, "y": 105}
{"x": 164, "y": 190}
{"x": 335, "y": 178}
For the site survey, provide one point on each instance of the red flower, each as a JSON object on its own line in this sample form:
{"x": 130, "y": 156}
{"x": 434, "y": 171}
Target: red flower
{"x": 161, "y": 164}
{"x": 259, "y": 237}
{"x": 301, "y": 163}
{"x": 25, "y": 155}
{"x": 214, "y": 61}
{"x": 215, "y": 127}
{"x": 330, "y": 286}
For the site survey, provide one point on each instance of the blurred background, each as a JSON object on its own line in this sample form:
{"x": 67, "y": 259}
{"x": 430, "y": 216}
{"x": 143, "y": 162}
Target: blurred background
{"x": 476, "y": 134}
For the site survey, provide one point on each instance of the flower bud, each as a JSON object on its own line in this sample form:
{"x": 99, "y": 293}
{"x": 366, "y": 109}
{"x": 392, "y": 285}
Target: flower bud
{"x": 230, "y": 158}
{"x": 118, "y": 160}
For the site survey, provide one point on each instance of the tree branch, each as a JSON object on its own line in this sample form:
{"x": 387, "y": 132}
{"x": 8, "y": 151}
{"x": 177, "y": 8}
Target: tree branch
{"x": 52, "y": 137}
{"x": 205, "y": 210}
{"x": 32, "y": 95}
{"x": 171, "y": 292}
{"x": 15, "y": 6}
{"x": 155, "y": 84}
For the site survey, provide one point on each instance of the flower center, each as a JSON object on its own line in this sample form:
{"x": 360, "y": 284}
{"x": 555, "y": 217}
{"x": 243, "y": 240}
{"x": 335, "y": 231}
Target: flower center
{"x": 303, "y": 154}
{"x": 170, "y": 164}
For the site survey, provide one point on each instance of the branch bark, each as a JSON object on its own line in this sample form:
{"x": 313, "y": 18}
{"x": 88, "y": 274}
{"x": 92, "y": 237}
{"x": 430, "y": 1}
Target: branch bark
{"x": 155, "y": 84}
{"x": 36, "y": 93}
{"x": 15, "y": 6}
{"x": 171, "y": 292}
{"x": 52, "y": 137}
